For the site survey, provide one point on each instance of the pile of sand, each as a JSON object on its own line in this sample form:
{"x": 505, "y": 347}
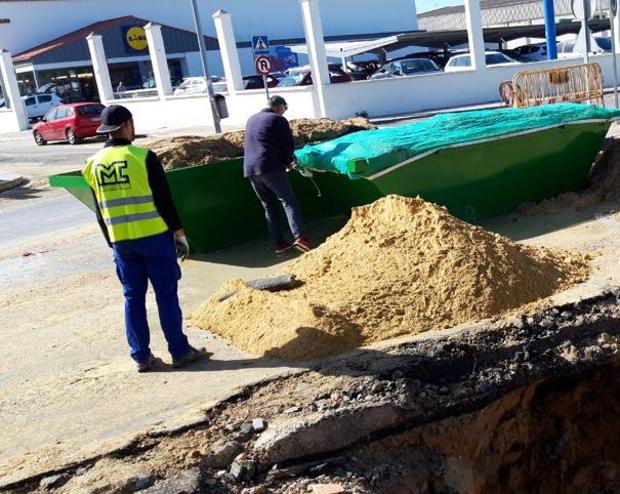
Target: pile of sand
{"x": 184, "y": 151}
{"x": 400, "y": 266}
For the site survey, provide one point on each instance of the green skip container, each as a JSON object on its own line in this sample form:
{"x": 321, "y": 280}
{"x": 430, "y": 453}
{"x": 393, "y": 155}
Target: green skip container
{"x": 474, "y": 180}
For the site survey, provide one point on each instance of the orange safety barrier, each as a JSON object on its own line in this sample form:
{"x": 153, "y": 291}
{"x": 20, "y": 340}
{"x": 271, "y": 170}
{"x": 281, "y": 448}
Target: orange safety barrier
{"x": 575, "y": 83}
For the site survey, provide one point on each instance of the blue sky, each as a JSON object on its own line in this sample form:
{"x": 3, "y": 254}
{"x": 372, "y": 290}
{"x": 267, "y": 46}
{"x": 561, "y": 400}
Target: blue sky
{"x": 425, "y": 5}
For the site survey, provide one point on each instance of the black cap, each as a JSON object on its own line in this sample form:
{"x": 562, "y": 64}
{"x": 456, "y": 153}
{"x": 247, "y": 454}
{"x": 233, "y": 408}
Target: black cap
{"x": 277, "y": 101}
{"x": 112, "y": 118}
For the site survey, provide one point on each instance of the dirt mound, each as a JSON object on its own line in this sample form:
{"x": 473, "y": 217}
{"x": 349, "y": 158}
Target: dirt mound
{"x": 400, "y": 266}
{"x": 184, "y": 151}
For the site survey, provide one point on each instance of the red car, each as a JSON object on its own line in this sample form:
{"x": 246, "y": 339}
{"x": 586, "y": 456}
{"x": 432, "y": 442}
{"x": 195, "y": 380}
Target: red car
{"x": 71, "y": 122}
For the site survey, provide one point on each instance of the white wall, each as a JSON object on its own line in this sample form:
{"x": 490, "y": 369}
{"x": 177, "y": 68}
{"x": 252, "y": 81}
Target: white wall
{"x": 188, "y": 111}
{"x": 276, "y": 18}
{"x": 151, "y": 114}
{"x": 8, "y": 121}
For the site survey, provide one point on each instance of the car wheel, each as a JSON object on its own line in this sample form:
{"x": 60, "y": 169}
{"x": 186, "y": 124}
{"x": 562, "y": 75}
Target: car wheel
{"x": 72, "y": 138}
{"x": 38, "y": 138}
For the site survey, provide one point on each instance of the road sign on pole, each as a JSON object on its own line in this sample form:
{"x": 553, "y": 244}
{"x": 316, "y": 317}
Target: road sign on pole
{"x": 263, "y": 66}
{"x": 260, "y": 45}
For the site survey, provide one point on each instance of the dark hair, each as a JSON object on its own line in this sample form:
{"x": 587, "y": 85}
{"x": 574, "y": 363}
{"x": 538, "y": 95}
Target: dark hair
{"x": 276, "y": 101}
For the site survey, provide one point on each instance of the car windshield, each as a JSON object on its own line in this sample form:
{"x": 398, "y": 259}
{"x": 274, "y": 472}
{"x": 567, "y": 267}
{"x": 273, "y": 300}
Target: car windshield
{"x": 90, "y": 110}
{"x": 292, "y": 79}
{"x": 604, "y": 43}
{"x": 495, "y": 58}
{"x": 414, "y": 66}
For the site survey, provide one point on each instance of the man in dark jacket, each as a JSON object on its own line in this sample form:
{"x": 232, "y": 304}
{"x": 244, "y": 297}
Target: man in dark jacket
{"x": 268, "y": 156}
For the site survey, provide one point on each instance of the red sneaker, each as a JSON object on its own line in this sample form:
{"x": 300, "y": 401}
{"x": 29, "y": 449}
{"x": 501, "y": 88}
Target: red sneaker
{"x": 281, "y": 247}
{"x": 302, "y": 244}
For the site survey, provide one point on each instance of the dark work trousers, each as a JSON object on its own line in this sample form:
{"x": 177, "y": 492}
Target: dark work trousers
{"x": 274, "y": 191}
{"x": 138, "y": 261}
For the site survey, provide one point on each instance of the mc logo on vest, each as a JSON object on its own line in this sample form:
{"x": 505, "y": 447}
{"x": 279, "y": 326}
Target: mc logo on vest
{"x": 113, "y": 176}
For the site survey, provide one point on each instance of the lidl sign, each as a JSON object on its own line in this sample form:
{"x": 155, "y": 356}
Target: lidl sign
{"x": 134, "y": 39}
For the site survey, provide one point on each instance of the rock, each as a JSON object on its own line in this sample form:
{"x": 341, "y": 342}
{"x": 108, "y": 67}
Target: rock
{"x": 187, "y": 482}
{"x": 326, "y": 489}
{"x": 289, "y": 438}
{"x": 223, "y": 454}
{"x": 237, "y": 470}
{"x": 243, "y": 470}
{"x": 54, "y": 481}
{"x": 259, "y": 425}
{"x": 246, "y": 431}
{"x": 137, "y": 482}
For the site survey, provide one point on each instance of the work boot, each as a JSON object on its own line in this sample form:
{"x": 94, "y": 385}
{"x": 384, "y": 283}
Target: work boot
{"x": 147, "y": 365}
{"x": 281, "y": 247}
{"x": 192, "y": 355}
{"x": 302, "y": 244}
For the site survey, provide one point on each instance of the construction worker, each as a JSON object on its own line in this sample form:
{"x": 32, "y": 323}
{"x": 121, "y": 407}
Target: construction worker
{"x": 268, "y": 154}
{"x": 139, "y": 221}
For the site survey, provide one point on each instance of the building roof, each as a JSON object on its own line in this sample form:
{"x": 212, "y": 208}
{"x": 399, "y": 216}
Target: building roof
{"x": 45, "y": 50}
{"x": 484, "y": 5}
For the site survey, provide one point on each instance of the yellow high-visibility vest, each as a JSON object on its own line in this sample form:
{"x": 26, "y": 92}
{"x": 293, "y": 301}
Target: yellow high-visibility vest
{"x": 119, "y": 178}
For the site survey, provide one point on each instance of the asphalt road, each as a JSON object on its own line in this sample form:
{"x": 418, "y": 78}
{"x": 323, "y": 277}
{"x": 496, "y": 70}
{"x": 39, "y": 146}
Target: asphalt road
{"x": 32, "y": 219}
{"x": 36, "y": 211}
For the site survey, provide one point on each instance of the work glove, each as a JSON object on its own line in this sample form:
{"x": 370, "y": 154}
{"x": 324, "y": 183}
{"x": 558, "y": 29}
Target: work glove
{"x": 182, "y": 247}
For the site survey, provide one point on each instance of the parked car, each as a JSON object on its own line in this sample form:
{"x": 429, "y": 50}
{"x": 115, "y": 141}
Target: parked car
{"x": 462, "y": 62}
{"x": 302, "y": 76}
{"x": 530, "y": 53}
{"x": 256, "y": 81}
{"x": 360, "y": 71}
{"x": 405, "y": 68}
{"x": 197, "y": 85}
{"x": 566, "y": 49}
{"x": 70, "y": 122}
{"x": 38, "y": 104}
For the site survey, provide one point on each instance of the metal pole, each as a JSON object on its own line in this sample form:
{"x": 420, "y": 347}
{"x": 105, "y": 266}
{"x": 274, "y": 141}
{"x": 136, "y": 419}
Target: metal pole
{"x": 205, "y": 69}
{"x": 552, "y": 49}
{"x": 613, "y": 57}
{"x": 586, "y": 29}
{"x": 266, "y": 86}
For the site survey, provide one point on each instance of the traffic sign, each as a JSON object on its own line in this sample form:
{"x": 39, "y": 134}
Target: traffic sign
{"x": 263, "y": 65}
{"x": 614, "y": 6}
{"x": 260, "y": 45}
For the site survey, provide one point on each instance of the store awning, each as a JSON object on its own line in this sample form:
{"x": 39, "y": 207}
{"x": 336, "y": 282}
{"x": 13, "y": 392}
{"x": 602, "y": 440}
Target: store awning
{"x": 441, "y": 39}
{"x": 347, "y": 49}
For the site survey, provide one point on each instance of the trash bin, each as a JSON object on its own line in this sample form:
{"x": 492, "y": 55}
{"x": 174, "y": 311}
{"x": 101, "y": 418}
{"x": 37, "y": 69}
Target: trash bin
{"x": 221, "y": 106}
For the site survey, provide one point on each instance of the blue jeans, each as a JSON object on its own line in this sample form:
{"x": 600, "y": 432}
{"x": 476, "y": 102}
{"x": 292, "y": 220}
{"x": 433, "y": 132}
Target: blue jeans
{"x": 138, "y": 261}
{"x": 274, "y": 191}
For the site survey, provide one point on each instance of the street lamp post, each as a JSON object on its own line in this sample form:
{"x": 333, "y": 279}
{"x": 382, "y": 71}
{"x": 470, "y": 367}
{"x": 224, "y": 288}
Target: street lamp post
{"x": 205, "y": 68}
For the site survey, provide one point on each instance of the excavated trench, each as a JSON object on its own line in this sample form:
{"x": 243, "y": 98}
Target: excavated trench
{"x": 527, "y": 405}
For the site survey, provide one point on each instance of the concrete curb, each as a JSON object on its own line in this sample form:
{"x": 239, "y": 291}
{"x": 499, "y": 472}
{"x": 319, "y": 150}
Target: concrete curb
{"x": 12, "y": 183}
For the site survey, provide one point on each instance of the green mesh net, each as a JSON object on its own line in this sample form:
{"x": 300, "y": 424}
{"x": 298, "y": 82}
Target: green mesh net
{"x": 367, "y": 152}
